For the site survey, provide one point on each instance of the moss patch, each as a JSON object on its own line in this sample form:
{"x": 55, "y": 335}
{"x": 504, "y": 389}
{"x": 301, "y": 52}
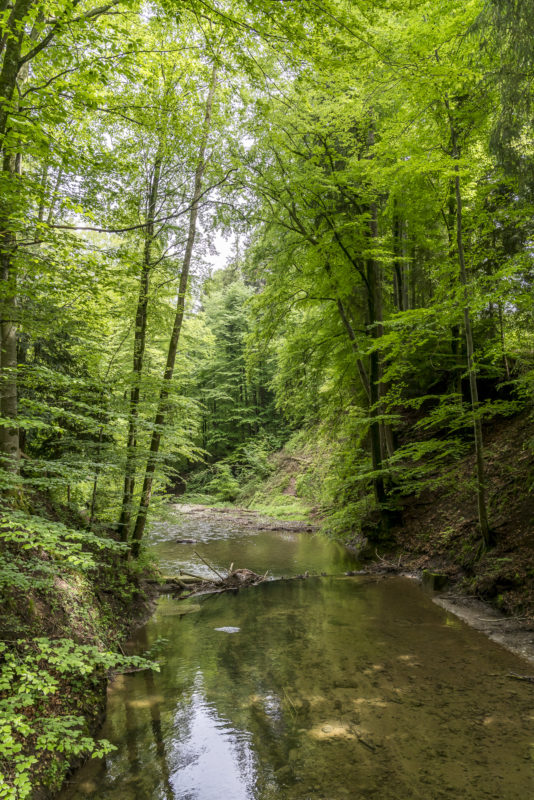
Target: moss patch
{"x": 280, "y": 506}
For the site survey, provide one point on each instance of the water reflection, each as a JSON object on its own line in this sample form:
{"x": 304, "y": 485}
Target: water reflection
{"x": 155, "y": 721}
{"x": 215, "y": 761}
{"x": 327, "y": 688}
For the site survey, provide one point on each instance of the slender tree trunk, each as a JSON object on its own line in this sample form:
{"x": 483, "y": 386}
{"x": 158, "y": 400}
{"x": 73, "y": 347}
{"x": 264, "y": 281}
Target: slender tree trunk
{"x": 386, "y": 436}
{"x": 397, "y": 259}
{"x": 138, "y": 356}
{"x": 95, "y": 479}
{"x": 455, "y": 329}
{"x": 408, "y": 262}
{"x": 413, "y": 280}
{"x": 374, "y": 307}
{"x": 98, "y": 457}
{"x": 503, "y": 343}
{"x": 9, "y": 433}
{"x": 362, "y": 372}
{"x": 161, "y": 412}
{"x": 471, "y": 366}
{"x": 44, "y": 190}
{"x": 53, "y": 196}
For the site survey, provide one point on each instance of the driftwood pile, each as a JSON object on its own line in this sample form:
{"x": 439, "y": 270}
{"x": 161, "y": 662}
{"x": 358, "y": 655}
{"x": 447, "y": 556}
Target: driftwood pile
{"x": 195, "y": 584}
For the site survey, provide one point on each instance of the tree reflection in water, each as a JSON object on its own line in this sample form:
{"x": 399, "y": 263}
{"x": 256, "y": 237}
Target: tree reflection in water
{"x": 332, "y": 688}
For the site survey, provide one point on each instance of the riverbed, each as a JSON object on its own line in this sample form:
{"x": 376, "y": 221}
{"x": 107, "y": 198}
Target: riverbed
{"x": 328, "y": 687}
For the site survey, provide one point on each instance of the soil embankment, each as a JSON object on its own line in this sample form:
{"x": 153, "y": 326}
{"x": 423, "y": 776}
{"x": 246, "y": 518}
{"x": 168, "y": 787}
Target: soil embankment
{"x": 439, "y": 530}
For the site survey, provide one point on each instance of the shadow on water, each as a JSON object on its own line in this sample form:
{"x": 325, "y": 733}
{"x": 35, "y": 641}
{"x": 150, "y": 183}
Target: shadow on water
{"x": 328, "y": 688}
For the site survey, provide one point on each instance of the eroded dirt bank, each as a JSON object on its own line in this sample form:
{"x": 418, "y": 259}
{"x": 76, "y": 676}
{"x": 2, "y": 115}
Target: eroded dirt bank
{"x": 439, "y": 527}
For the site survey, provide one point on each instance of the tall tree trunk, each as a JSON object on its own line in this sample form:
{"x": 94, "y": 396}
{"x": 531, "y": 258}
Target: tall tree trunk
{"x": 408, "y": 255}
{"x": 9, "y": 433}
{"x": 161, "y": 412}
{"x": 138, "y": 355}
{"x": 412, "y": 287}
{"x": 471, "y": 366}
{"x": 11, "y": 73}
{"x": 11, "y": 62}
{"x": 374, "y": 308}
{"x": 97, "y": 460}
{"x": 455, "y": 329}
{"x": 398, "y": 276}
{"x": 386, "y": 435}
{"x": 503, "y": 342}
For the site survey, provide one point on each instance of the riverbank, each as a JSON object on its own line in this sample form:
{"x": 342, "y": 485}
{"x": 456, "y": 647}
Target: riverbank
{"x": 68, "y": 602}
{"x": 439, "y": 530}
{"x": 261, "y": 691}
{"x": 515, "y": 633}
{"x": 99, "y": 617}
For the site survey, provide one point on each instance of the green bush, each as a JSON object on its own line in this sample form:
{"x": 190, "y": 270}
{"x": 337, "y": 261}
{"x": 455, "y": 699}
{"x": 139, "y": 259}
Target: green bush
{"x": 31, "y": 675}
{"x": 224, "y": 486}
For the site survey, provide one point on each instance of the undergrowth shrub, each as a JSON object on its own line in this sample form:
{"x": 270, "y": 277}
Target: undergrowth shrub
{"x": 42, "y": 678}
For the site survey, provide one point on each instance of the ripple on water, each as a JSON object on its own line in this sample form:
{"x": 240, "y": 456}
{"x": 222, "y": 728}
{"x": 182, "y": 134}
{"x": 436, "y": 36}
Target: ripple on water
{"x": 332, "y": 690}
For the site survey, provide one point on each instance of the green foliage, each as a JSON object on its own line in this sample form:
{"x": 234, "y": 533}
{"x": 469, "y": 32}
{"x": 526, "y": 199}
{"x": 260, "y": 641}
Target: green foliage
{"x": 224, "y": 486}
{"x": 380, "y": 189}
{"x": 232, "y": 386}
{"x": 31, "y": 675}
{"x": 41, "y": 677}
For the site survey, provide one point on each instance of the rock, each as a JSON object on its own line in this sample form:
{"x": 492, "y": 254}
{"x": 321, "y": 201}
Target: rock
{"x": 435, "y": 581}
{"x": 361, "y": 547}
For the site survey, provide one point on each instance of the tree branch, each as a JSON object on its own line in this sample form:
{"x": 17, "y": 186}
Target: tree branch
{"x": 95, "y": 12}
{"x": 144, "y": 224}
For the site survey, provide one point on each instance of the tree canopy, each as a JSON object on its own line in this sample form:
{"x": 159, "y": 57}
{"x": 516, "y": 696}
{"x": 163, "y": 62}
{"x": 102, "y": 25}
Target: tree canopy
{"x": 372, "y": 163}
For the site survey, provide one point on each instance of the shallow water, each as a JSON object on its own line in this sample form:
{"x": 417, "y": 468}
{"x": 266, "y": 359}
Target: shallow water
{"x": 221, "y": 541}
{"x": 328, "y": 688}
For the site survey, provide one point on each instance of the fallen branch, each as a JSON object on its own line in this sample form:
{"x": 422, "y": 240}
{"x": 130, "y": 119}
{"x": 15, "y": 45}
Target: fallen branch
{"x": 208, "y": 565}
{"x": 236, "y": 579}
{"x": 389, "y": 564}
{"x": 517, "y": 677}
{"x": 190, "y": 575}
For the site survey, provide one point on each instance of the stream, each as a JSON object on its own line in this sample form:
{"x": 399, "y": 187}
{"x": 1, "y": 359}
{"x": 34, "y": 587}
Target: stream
{"x": 327, "y": 688}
